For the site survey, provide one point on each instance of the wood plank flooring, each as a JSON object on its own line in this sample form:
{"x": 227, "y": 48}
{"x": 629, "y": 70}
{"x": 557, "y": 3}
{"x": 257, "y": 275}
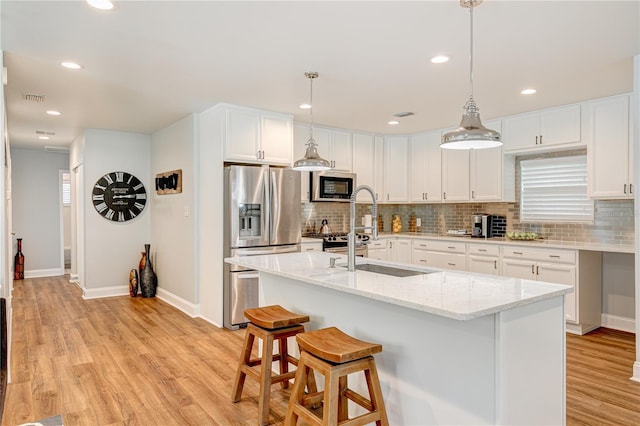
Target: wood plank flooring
{"x": 134, "y": 361}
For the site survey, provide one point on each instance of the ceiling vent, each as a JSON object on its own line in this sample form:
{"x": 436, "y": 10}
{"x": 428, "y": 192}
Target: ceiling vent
{"x": 56, "y": 149}
{"x": 403, "y": 114}
{"x": 42, "y": 132}
{"x": 34, "y": 98}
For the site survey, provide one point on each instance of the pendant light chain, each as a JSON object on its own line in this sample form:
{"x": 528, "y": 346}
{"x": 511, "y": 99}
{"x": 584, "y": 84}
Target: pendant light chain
{"x": 311, "y": 76}
{"x": 471, "y": 54}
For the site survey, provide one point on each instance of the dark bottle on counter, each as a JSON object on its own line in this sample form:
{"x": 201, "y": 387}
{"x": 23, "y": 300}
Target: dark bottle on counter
{"x": 18, "y": 268}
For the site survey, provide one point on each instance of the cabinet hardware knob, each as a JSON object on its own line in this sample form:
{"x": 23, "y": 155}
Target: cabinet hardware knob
{"x": 537, "y": 270}
{"x": 482, "y": 249}
{"x": 532, "y": 269}
{"x": 473, "y": 194}
{"x": 555, "y": 256}
{"x": 517, "y": 252}
{"x": 444, "y": 195}
{"x": 630, "y": 188}
{"x": 536, "y": 140}
{"x": 625, "y": 188}
{"x": 495, "y": 264}
{"x": 451, "y": 264}
{"x": 426, "y": 195}
{"x": 540, "y": 139}
{"x": 450, "y": 248}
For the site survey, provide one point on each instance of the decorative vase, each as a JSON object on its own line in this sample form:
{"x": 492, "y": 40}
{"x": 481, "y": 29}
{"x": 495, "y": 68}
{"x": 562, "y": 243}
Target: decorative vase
{"x": 18, "y": 269}
{"x": 133, "y": 283}
{"x": 143, "y": 260}
{"x": 148, "y": 278}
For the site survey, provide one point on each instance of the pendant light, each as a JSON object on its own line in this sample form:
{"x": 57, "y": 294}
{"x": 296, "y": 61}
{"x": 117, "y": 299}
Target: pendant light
{"x": 311, "y": 162}
{"x": 471, "y": 134}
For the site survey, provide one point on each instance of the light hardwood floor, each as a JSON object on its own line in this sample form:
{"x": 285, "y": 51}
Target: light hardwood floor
{"x": 134, "y": 361}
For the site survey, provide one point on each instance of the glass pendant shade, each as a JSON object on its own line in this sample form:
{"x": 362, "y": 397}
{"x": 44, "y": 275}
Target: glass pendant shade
{"x": 471, "y": 134}
{"x": 311, "y": 162}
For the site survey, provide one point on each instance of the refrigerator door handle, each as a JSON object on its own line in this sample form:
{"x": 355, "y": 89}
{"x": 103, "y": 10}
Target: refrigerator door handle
{"x": 266, "y": 202}
{"x": 275, "y": 211}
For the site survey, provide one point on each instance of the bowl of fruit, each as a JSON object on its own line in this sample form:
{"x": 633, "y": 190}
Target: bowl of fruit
{"x": 526, "y": 236}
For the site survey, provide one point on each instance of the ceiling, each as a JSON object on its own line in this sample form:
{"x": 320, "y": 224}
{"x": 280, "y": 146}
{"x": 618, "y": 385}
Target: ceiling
{"x": 149, "y": 63}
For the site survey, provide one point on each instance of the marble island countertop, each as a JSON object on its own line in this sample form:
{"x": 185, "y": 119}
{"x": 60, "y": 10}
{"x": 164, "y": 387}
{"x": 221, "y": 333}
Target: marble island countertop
{"x": 452, "y": 294}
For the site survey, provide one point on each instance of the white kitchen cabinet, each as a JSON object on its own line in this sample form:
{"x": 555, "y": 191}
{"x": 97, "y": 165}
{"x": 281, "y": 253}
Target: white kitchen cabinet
{"x": 580, "y": 269}
{"x": 551, "y": 128}
{"x": 255, "y": 136}
{"x": 300, "y": 138}
{"x": 455, "y": 175}
{"x": 425, "y": 168}
{"x": 439, "y": 254}
{"x": 396, "y": 157}
{"x": 311, "y": 244}
{"x": 607, "y": 132}
{"x": 336, "y": 146}
{"x": 400, "y": 250}
{"x": 483, "y": 258}
{"x": 364, "y": 165}
{"x": 378, "y": 250}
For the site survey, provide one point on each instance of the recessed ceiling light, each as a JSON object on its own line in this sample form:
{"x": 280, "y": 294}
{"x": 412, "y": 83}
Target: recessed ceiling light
{"x": 305, "y": 106}
{"x": 439, "y": 59}
{"x": 528, "y": 91}
{"x": 394, "y": 122}
{"x": 52, "y": 112}
{"x": 44, "y": 138}
{"x": 71, "y": 65}
{"x": 101, "y": 4}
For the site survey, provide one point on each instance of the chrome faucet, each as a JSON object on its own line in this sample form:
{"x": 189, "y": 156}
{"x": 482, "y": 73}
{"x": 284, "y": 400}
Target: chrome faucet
{"x": 351, "y": 265}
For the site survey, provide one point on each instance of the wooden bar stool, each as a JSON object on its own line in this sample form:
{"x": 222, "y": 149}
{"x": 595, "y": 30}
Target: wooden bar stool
{"x": 268, "y": 323}
{"x": 335, "y": 354}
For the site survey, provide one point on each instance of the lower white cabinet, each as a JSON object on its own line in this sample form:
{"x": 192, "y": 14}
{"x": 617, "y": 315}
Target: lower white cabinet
{"x": 439, "y": 254}
{"x": 483, "y": 258}
{"x": 580, "y": 269}
{"x": 400, "y": 250}
{"x": 378, "y": 250}
{"x": 314, "y": 244}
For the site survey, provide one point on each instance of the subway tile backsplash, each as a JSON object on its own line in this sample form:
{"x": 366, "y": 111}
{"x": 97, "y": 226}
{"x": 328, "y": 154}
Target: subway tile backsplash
{"x": 613, "y": 222}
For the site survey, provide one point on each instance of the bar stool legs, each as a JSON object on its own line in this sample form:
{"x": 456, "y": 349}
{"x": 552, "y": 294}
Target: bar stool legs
{"x": 269, "y": 324}
{"x": 335, "y": 355}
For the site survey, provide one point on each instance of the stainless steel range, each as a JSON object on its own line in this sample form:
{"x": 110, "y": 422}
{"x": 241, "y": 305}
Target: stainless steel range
{"x": 337, "y": 243}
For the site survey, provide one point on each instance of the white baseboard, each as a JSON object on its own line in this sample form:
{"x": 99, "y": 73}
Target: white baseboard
{"x": 212, "y": 322}
{"x": 73, "y": 278}
{"x": 97, "y": 293}
{"x": 185, "y": 306}
{"x": 636, "y": 372}
{"x": 618, "y": 323}
{"x": 41, "y": 273}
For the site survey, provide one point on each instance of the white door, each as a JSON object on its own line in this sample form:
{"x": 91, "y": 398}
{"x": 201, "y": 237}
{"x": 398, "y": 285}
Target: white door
{"x": 561, "y": 274}
{"x": 455, "y": 175}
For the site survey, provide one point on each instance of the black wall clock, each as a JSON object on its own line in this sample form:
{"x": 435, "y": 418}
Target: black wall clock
{"x": 119, "y": 196}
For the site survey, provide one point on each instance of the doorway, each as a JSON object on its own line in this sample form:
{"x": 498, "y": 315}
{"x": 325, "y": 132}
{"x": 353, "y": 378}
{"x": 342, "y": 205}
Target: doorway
{"x": 65, "y": 220}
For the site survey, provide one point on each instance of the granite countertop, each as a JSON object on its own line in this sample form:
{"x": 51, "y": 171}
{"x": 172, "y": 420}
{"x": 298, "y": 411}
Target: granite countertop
{"x": 452, "y": 294}
{"x": 574, "y": 245}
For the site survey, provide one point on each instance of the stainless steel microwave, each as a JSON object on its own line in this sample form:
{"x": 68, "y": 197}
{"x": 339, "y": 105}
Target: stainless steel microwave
{"x": 332, "y": 186}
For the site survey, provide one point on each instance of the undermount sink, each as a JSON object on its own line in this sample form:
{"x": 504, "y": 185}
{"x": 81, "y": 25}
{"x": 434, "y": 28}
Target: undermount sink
{"x": 390, "y": 270}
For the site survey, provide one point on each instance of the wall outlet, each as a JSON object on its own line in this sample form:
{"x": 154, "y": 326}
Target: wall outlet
{"x": 418, "y": 221}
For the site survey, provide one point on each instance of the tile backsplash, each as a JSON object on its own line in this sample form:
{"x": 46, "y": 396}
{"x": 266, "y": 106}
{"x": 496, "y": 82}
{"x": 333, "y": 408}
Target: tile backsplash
{"x": 613, "y": 222}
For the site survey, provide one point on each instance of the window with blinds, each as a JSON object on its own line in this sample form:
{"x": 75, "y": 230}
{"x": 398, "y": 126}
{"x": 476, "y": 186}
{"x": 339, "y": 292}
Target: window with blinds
{"x": 66, "y": 189}
{"x": 555, "y": 190}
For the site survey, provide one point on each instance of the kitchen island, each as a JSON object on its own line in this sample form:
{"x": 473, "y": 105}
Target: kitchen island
{"x": 458, "y": 348}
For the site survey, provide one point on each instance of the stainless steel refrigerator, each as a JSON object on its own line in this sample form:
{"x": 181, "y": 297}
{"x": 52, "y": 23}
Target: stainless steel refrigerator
{"x": 262, "y": 216}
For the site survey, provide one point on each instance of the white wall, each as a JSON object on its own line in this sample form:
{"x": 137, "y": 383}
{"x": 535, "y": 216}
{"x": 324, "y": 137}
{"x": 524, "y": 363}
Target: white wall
{"x": 36, "y": 208}
{"x": 112, "y": 249}
{"x": 173, "y": 215}
{"x": 210, "y": 214}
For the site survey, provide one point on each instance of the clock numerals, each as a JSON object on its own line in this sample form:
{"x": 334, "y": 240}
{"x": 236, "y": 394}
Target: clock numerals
{"x": 119, "y": 196}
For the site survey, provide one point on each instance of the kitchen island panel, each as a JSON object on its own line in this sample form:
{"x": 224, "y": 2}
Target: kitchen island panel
{"x": 495, "y": 369}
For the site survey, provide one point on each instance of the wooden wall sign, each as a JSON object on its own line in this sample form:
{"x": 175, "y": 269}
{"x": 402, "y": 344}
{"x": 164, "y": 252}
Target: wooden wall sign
{"x": 169, "y": 182}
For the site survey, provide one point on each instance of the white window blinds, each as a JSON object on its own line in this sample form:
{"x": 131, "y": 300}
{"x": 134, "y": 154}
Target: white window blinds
{"x": 555, "y": 190}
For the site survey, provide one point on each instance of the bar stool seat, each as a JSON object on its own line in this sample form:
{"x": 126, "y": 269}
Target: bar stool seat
{"x": 269, "y": 323}
{"x": 334, "y": 354}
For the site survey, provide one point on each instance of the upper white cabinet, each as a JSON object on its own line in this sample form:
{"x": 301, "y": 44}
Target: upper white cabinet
{"x": 425, "y": 166}
{"x": 396, "y": 157}
{"x": 609, "y": 149}
{"x": 364, "y": 165}
{"x": 492, "y": 173}
{"x": 336, "y": 146}
{"x": 255, "y": 136}
{"x": 542, "y": 130}
{"x": 455, "y": 175}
